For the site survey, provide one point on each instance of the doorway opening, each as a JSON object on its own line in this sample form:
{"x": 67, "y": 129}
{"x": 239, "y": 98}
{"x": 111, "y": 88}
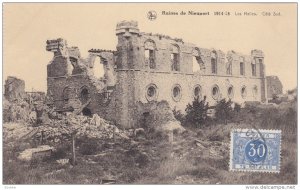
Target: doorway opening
{"x": 87, "y": 112}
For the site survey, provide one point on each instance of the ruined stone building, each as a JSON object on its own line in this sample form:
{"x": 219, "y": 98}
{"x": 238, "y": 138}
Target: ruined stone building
{"x": 274, "y": 86}
{"x": 148, "y": 67}
{"x": 14, "y": 89}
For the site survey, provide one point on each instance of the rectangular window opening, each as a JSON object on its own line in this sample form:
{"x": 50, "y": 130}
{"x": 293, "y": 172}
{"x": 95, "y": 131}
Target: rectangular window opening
{"x": 150, "y": 59}
{"x": 213, "y": 66}
{"x": 175, "y": 61}
{"x": 196, "y": 64}
{"x": 253, "y": 69}
{"x": 242, "y": 68}
{"x": 229, "y": 69}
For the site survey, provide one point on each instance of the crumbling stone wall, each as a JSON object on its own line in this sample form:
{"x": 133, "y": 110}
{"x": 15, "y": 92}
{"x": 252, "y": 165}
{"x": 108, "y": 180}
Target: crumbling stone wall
{"x": 71, "y": 83}
{"x": 14, "y": 89}
{"x": 150, "y": 67}
{"x": 274, "y": 86}
{"x": 153, "y": 114}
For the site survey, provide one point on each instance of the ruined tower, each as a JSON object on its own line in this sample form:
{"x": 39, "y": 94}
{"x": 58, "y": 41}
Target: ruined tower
{"x": 128, "y": 61}
{"x": 258, "y": 59}
{"x": 14, "y": 88}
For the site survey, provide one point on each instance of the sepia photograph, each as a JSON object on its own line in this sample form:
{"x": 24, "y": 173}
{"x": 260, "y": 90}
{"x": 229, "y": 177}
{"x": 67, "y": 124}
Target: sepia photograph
{"x": 150, "y": 93}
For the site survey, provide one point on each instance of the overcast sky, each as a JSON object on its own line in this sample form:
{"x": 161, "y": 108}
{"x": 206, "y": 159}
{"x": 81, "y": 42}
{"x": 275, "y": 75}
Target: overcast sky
{"x": 26, "y": 27}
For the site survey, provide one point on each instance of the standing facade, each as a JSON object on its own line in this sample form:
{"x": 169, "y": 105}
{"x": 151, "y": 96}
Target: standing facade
{"x": 151, "y": 67}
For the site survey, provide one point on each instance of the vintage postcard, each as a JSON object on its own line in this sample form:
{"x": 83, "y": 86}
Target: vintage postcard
{"x": 150, "y": 93}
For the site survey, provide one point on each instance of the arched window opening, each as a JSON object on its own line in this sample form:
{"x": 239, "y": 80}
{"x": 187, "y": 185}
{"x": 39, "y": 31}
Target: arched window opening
{"x": 242, "y": 66}
{"x": 150, "y": 54}
{"x": 214, "y": 63}
{"x": 98, "y": 68}
{"x": 175, "y": 58}
{"x": 76, "y": 68}
{"x": 230, "y": 92}
{"x": 243, "y": 92}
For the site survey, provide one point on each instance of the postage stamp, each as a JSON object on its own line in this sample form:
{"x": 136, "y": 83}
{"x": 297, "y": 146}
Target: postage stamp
{"x": 255, "y": 150}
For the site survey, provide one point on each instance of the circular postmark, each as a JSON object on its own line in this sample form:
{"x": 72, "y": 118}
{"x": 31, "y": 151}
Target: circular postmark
{"x": 151, "y": 15}
{"x": 256, "y": 151}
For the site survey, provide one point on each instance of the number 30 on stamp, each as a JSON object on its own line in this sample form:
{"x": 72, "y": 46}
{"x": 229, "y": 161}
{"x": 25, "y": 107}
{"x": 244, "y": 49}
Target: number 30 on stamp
{"x": 255, "y": 150}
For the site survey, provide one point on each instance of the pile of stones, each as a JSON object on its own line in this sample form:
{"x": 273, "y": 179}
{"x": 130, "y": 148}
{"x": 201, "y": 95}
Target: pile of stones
{"x": 82, "y": 126}
{"x": 15, "y": 131}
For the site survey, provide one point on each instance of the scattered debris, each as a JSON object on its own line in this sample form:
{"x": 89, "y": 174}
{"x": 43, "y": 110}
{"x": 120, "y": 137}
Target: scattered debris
{"x": 38, "y": 153}
{"x": 15, "y": 131}
{"x": 54, "y": 172}
{"x": 171, "y": 126}
{"x": 139, "y": 131}
{"x": 62, "y": 161}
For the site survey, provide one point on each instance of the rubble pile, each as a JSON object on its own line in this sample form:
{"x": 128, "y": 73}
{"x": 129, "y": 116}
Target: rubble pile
{"x": 160, "y": 117}
{"x": 60, "y": 129}
{"x": 15, "y": 131}
{"x": 82, "y": 126}
{"x": 36, "y": 153}
{"x": 18, "y": 111}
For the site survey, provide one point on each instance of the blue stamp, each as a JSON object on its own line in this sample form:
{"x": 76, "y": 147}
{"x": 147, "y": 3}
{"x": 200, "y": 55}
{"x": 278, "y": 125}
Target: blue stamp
{"x": 255, "y": 150}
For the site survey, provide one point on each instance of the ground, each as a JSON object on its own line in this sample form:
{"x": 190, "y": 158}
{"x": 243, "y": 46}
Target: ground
{"x": 197, "y": 156}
